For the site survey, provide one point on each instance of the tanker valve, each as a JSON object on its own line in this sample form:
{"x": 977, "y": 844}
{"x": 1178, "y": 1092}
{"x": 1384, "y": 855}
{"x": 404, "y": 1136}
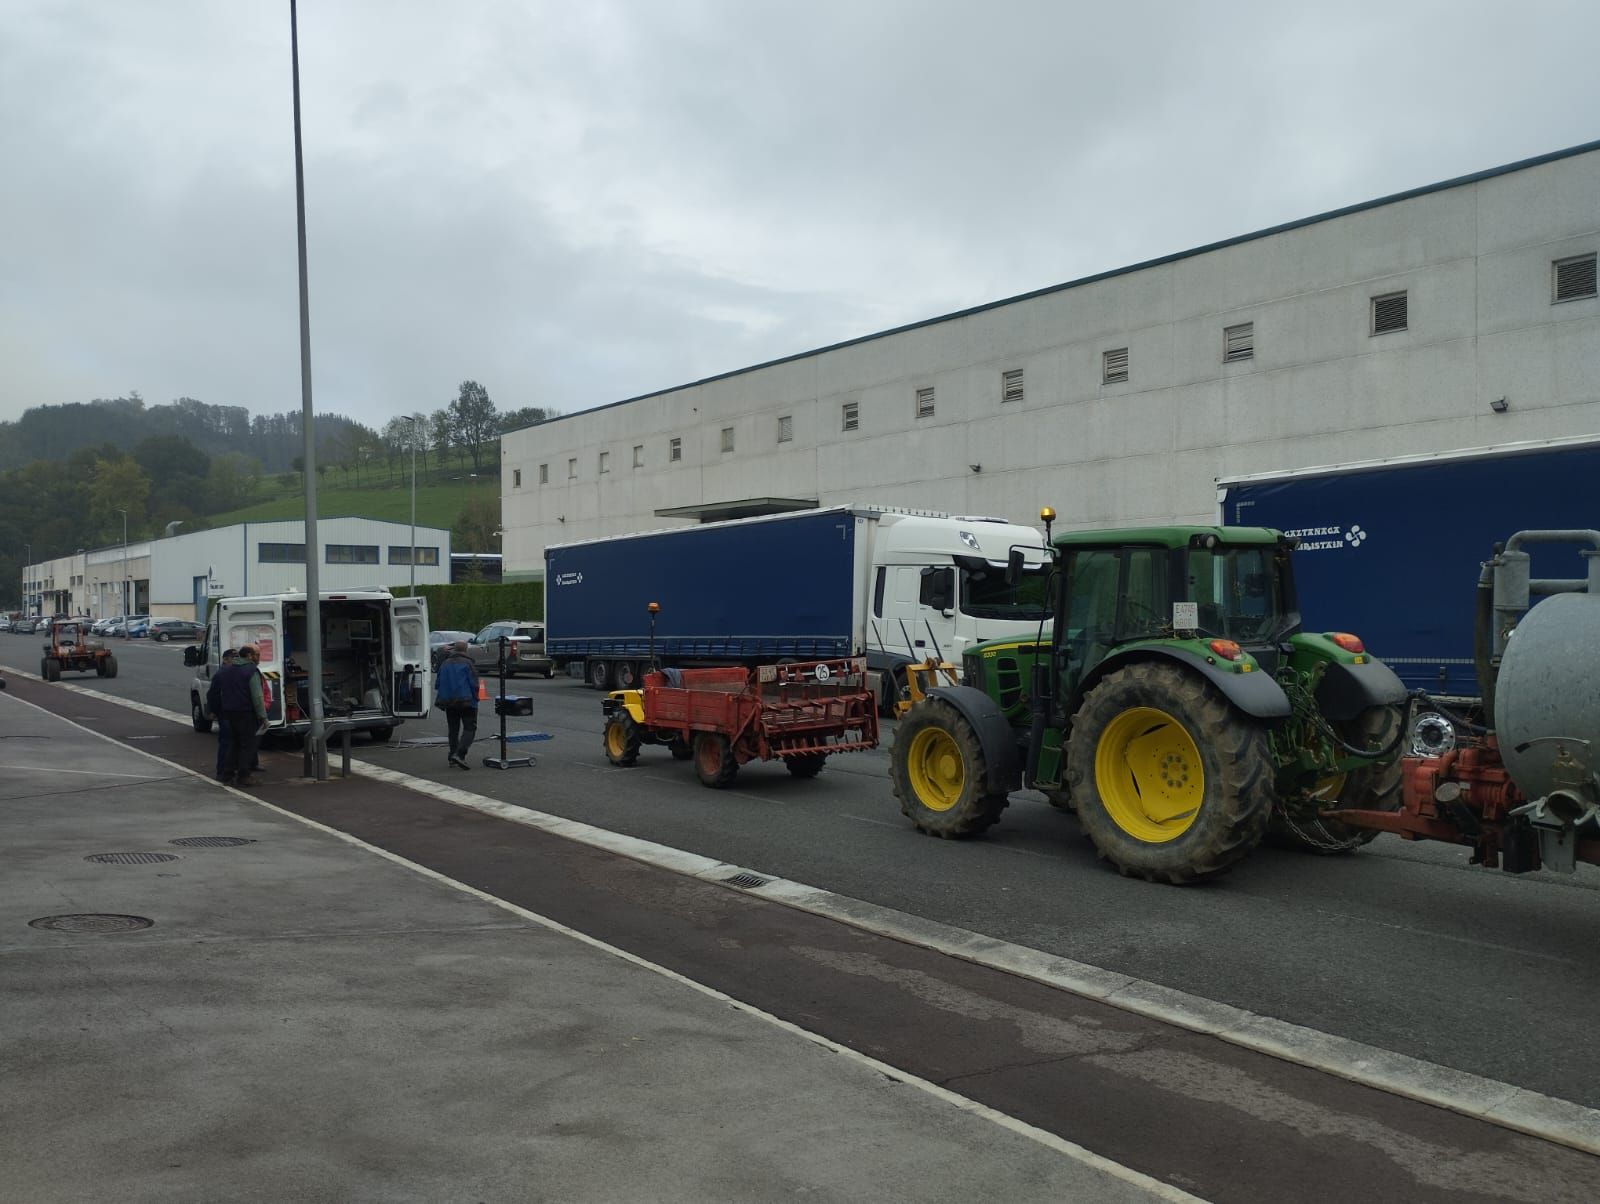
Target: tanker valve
{"x": 1555, "y": 819}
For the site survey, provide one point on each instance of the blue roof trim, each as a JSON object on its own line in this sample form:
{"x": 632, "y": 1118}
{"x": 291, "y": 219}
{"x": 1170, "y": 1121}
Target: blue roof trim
{"x": 1410, "y": 193}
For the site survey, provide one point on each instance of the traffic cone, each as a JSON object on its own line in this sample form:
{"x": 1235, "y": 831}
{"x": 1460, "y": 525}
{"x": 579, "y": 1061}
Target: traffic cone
{"x": 483, "y": 694}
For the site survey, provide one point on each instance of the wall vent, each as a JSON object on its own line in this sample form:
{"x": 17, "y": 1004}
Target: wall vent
{"x": 1238, "y": 342}
{"x": 1011, "y": 385}
{"x": 1574, "y": 278}
{"x": 1389, "y": 313}
{"x": 1114, "y": 366}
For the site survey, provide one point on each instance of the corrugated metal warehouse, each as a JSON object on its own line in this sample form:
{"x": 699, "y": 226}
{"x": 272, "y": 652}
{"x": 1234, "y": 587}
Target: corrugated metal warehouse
{"x": 1457, "y": 315}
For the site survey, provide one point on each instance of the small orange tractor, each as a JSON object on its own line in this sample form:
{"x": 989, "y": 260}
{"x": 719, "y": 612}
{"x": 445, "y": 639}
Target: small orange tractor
{"x": 70, "y": 648}
{"x": 798, "y": 713}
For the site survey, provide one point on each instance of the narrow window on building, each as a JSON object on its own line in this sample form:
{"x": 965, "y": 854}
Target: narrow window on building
{"x": 727, "y": 438}
{"x": 786, "y": 428}
{"x": 351, "y": 553}
{"x": 572, "y": 469}
{"x": 1011, "y": 385}
{"x": 544, "y": 474}
{"x": 851, "y": 413}
{"x": 1574, "y": 278}
{"x": 1238, "y": 342}
{"x": 516, "y": 478}
{"x": 638, "y": 455}
{"x": 925, "y": 403}
{"x": 605, "y": 461}
{"x": 1114, "y": 366}
{"x": 675, "y": 449}
{"x": 401, "y": 554}
{"x": 1389, "y": 313}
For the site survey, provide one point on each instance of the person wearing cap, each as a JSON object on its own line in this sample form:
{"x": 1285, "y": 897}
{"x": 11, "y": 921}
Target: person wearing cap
{"x": 214, "y": 709}
{"x": 244, "y": 711}
{"x": 457, "y": 692}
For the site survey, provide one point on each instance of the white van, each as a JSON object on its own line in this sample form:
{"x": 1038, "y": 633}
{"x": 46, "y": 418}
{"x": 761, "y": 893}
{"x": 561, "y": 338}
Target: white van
{"x": 375, "y": 666}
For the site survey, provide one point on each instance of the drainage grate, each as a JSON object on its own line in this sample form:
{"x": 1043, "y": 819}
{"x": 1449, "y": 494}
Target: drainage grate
{"x": 211, "y": 842}
{"x": 91, "y": 923}
{"x": 747, "y": 880}
{"x": 130, "y": 858}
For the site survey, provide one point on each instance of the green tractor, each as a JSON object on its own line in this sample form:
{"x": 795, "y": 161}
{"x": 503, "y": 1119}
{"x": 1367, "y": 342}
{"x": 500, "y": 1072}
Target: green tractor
{"x": 1176, "y": 706}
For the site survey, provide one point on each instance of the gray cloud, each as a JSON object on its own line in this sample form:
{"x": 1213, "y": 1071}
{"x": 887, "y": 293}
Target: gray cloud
{"x": 576, "y": 203}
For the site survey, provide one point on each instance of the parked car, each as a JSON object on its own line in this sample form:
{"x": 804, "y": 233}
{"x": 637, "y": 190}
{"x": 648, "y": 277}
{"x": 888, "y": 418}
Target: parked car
{"x": 162, "y": 630}
{"x": 25, "y": 626}
{"x": 5, "y": 622}
{"x": 524, "y": 654}
{"x": 439, "y": 644}
{"x": 102, "y": 626}
{"x": 138, "y": 627}
{"x": 116, "y": 625}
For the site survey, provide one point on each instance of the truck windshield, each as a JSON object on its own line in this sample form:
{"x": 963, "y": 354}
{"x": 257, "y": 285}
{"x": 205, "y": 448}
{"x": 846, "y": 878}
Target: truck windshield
{"x": 1238, "y": 592}
{"x": 985, "y": 594}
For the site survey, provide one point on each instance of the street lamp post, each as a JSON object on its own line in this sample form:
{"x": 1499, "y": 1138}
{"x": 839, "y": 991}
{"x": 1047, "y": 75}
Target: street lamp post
{"x": 124, "y": 514}
{"x": 413, "y": 419}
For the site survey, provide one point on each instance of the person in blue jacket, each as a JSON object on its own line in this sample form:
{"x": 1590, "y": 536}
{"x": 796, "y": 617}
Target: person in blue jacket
{"x": 214, "y": 708}
{"x": 456, "y": 690}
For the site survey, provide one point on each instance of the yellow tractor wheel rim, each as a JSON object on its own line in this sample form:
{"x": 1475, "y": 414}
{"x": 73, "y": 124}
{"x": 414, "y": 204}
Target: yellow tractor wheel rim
{"x": 616, "y": 738}
{"x": 938, "y": 772}
{"x": 1328, "y": 789}
{"x": 1148, "y": 772}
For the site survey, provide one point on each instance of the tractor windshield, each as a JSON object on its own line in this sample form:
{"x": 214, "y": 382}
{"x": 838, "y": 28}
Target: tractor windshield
{"x": 1238, "y": 591}
{"x": 985, "y": 594}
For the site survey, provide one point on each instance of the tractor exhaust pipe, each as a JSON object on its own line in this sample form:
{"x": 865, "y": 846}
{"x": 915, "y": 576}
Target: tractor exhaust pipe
{"x": 1041, "y": 699}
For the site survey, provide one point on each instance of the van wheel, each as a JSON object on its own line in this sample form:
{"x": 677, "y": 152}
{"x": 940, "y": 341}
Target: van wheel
{"x": 197, "y": 715}
{"x": 549, "y": 673}
{"x": 599, "y": 674}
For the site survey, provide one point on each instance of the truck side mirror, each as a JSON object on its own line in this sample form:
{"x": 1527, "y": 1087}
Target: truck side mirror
{"x": 1015, "y": 563}
{"x": 191, "y": 656}
{"x": 938, "y": 588}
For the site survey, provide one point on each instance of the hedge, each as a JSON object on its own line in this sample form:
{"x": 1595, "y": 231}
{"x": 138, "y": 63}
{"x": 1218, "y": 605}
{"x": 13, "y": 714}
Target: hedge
{"x": 472, "y": 606}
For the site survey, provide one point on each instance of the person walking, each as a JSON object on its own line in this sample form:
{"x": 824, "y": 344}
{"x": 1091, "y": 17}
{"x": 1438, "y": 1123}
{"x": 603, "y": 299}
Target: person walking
{"x": 457, "y": 692}
{"x": 214, "y": 709}
{"x": 244, "y": 711}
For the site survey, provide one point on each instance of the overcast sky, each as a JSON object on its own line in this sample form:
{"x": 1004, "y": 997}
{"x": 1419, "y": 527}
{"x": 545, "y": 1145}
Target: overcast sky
{"x": 578, "y": 202}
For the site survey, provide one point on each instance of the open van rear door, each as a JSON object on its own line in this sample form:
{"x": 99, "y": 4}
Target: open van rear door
{"x": 413, "y": 669}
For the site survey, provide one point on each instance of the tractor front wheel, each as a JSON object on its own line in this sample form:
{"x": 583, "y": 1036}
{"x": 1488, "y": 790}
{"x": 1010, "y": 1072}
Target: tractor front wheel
{"x": 50, "y": 669}
{"x": 1374, "y": 787}
{"x": 940, "y": 774}
{"x": 111, "y": 666}
{"x": 713, "y": 760}
{"x": 622, "y": 739}
{"x": 1172, "y": 784}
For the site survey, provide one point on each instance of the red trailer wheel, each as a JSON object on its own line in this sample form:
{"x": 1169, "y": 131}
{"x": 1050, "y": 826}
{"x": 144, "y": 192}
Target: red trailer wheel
{"x": 713, "y": 760}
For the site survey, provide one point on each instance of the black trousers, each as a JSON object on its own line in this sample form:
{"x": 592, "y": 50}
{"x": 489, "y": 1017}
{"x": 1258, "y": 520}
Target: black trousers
{"x": 461, "y": 728}
{"x": 242, "y": 738}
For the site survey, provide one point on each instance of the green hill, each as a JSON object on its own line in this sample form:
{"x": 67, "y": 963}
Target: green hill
{"x": 438, "y": 501}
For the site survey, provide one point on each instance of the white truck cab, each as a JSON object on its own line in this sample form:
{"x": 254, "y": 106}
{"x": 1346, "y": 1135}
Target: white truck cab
{"x": 376, "y": 670}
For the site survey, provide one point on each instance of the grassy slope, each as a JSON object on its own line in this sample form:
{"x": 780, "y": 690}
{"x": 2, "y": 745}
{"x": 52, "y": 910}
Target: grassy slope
{"x": 438, "y": 502}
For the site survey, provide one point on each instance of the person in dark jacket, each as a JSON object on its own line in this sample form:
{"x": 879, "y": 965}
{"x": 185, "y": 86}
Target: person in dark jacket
{"x": 457, "y": 692}
{"x": 244, "y": 711}
{"x": 214, "y": 709}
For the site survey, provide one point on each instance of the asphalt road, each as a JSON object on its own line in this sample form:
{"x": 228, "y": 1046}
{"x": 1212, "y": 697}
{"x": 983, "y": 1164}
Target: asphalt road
{"x": 1402, "y": 946}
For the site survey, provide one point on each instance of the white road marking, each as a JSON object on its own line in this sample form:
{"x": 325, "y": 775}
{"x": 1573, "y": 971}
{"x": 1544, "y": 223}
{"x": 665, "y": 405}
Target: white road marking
{"x": 90, "y": 773}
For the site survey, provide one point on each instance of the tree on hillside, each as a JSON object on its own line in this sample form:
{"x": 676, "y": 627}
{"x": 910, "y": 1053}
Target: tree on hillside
{"x": 177, "y": 471}
{"x": 474, "y": 420}
{"x": 118, "y": 485}
{"x": 477, "y": 527}
{"x": 231, "y": 482}
{"x": 516, "y": 420}
{"x": 439, "y": 435}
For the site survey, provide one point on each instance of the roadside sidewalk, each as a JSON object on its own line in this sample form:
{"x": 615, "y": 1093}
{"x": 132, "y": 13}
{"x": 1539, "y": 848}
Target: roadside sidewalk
{"x": 304, "y": 1018}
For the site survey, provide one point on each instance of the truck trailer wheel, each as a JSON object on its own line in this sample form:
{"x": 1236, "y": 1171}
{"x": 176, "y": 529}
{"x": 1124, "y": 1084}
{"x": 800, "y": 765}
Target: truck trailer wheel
{"x": 940, "y": 774}
{"x": 622, "y": 739}
{"x": 1373, "y": 788}
{"x": 197, "y": 715}
{"x": 713, "y": 760}
{"x": 806, "y": 765}
{"x": 598, "y": 674}
{"x": 1171, "y": 782}
{"x": 625, "y": 675}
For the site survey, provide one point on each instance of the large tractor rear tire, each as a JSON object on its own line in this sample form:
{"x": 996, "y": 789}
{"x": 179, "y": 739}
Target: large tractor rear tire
{"x": 714, "y": 760}
{"x": 1172, "y": 784}
{"x": 940, "y": 774}
{"x": 622, "y": 739}
{"x": 1374, "y": 788}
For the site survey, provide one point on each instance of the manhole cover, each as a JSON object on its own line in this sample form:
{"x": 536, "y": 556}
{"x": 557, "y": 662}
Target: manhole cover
{"x": 91, "y": 923}
{"x": 130, "y": 858}
{"x": 210, "y": 842}
{"x": 746, "y": 880}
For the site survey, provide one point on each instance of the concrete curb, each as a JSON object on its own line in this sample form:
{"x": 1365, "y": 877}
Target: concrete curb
{"x": 1503, "y": 1104}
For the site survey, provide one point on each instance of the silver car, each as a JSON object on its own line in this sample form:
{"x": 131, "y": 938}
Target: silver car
{"x": 524, "y": 648}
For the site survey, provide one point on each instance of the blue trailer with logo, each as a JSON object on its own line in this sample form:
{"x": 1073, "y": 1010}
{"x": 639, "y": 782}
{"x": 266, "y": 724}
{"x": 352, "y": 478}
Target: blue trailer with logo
{"x": 1390, "y": 549}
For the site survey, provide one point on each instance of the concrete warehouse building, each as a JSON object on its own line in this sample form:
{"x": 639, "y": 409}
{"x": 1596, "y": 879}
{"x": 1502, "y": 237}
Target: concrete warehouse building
{"x": 174, "y": 577}
{"x": 1458, "y": 315}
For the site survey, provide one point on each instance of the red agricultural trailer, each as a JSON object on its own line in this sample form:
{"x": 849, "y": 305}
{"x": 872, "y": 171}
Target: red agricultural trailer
{"x": 799, "y": 713}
